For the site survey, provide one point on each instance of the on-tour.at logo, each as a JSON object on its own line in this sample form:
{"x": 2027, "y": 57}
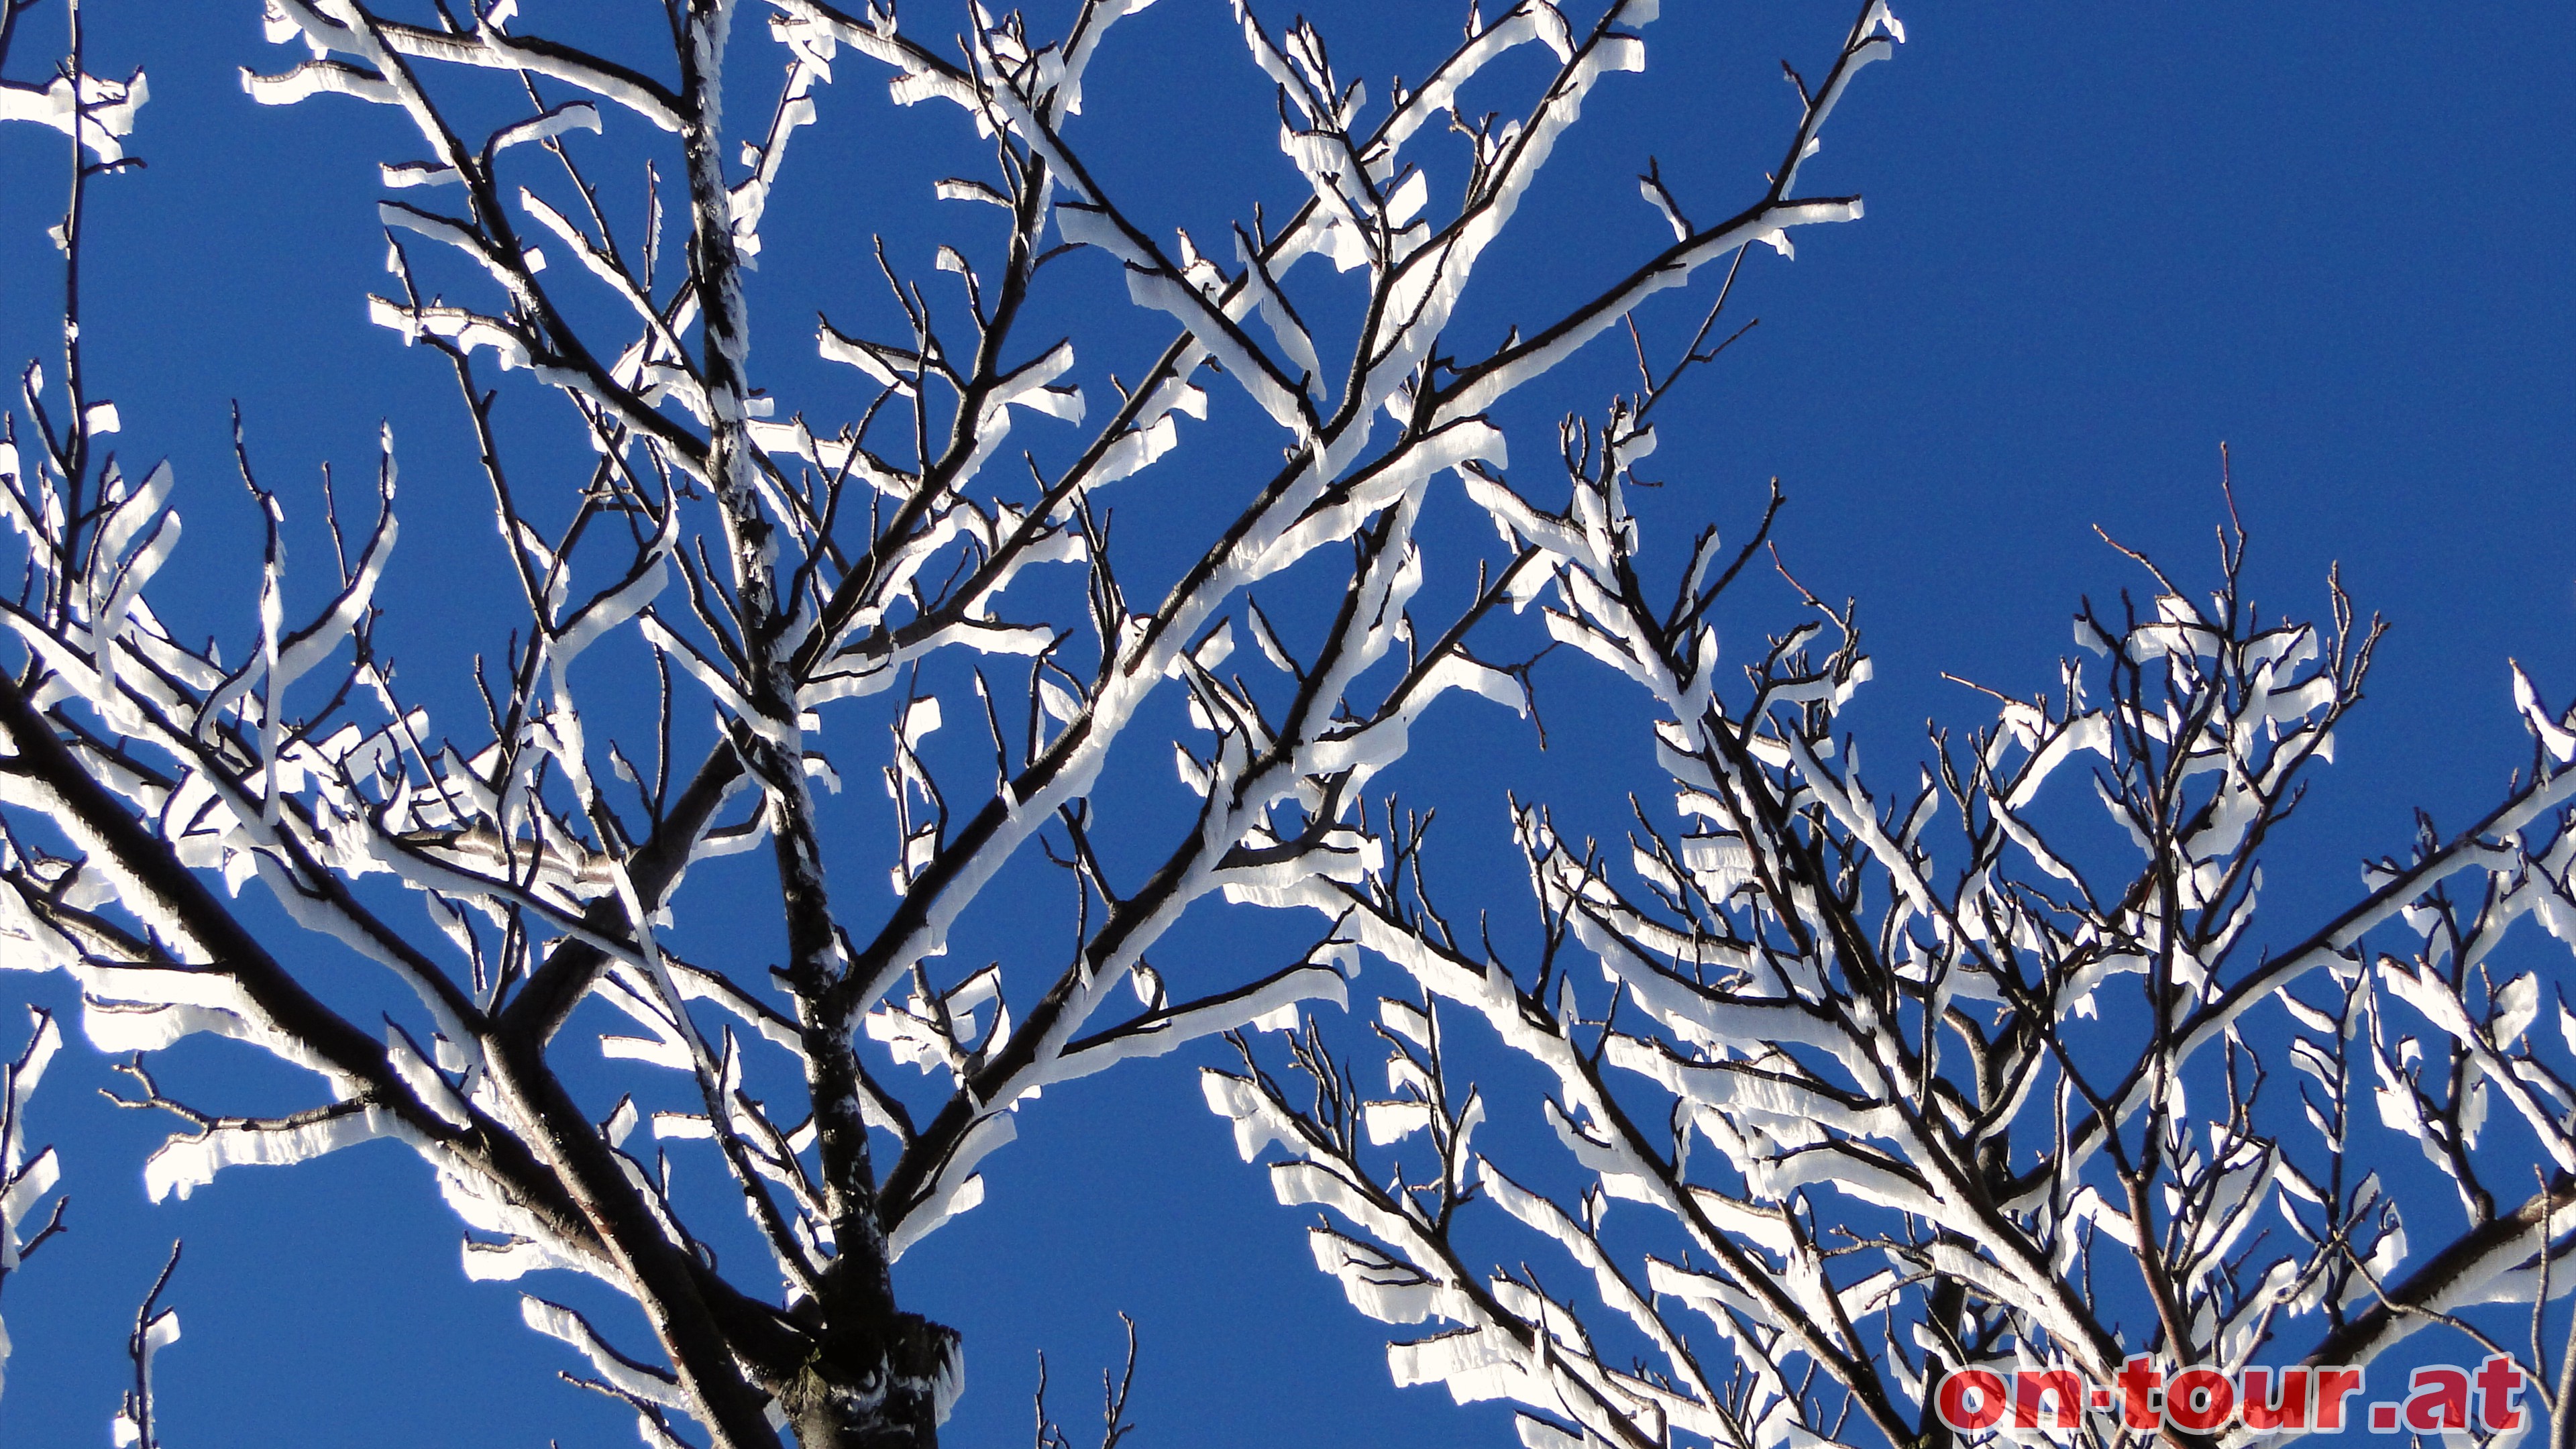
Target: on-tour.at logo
{"x": 2305, "y": 1400}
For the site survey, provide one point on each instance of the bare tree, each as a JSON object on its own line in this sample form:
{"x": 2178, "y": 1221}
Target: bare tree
{"x": 869, "y": 561}
{"x": 26, "y": 1182}
{"x": 2038, "y": 1101}
{"x": 95, "y": 115}
{"x": 155, "y": 1328}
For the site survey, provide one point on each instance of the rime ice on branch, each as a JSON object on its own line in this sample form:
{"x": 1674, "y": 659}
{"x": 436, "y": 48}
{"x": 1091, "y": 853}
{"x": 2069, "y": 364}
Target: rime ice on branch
{"x": 802, "y": 574}
{"x": 1892, "y": 1110}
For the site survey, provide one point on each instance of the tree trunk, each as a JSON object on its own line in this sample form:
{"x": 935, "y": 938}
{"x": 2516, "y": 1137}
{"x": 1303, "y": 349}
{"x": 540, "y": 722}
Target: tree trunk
{"x": 867, "y": 1389}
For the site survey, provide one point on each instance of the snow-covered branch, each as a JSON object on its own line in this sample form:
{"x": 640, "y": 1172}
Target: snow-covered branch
{"x": 740, "y": 603}
{"x": 1902, "y": 1111}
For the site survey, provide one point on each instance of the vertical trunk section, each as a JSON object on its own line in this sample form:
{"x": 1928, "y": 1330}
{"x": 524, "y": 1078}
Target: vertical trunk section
{"x": 874, "y": 1376}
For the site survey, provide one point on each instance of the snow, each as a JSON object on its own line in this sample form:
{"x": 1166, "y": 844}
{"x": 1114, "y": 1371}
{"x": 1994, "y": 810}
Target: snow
{"x": 105, "y": 109}
{"x": 654, "y": 1386}
{"x": 184, "y": 1164}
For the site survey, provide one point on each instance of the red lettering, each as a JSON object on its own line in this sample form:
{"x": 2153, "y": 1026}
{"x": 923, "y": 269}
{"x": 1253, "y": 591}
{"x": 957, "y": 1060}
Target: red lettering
{"x": 2266, "y": 1414}
{"x": 2499, "y": 1379}
{"x": 2437, "y": 1397}
{"x": 2334, "y": 1385}
{"x": 2030, "y": 1390}
{"x": 1955, "y": 1405}
{"x": 2138, "y": 1381}
{"x": 2199, "y": 1400}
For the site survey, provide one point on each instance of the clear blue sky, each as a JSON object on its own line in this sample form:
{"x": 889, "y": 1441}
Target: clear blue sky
{"x": 2099, "y": 241}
